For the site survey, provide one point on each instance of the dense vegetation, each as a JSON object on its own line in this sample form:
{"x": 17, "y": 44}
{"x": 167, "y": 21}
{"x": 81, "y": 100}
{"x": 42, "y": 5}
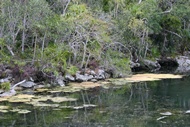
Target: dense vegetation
{"x": 60, "y": 36}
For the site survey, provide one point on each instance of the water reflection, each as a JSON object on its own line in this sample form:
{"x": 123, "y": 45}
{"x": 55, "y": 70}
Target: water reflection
{"x": 131, "y": 105}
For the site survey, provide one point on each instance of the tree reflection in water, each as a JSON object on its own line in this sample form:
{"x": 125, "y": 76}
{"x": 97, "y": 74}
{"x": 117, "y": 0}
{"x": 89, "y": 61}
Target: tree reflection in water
{"x": 130, "y": 105}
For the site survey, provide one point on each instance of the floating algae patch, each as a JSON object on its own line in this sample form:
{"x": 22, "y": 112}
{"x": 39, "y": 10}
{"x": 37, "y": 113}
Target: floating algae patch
{"x": 157, "y": 76}
{"x": 85, "y": 85}
{"x": 21, "y": 98}
{"x": 20, "y": 111}
{"x": 40, "y": 98}
{"x": 62, "y": 99}
{"x": 40, "y": 101}
{"x": 2, "y": 107}
{"x": 4, "y": 99}
{"x": 40, "y": 90}
{"x": 66, "y": 89}
{"x": 145, "y": 77}
{"x": 3, "y": 111}
{"x": 41, "y": 104}
{"x": 24, "y": 111}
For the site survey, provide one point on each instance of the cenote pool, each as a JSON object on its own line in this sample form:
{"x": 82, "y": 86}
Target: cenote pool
{"x": 139, "y": 104}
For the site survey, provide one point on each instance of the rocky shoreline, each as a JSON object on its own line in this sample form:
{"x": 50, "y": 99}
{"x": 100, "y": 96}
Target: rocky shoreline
{"x": 29, "y": 77}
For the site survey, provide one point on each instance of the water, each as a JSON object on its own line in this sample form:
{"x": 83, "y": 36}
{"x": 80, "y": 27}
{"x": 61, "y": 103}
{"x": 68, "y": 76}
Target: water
{"x": 131, "y": 105}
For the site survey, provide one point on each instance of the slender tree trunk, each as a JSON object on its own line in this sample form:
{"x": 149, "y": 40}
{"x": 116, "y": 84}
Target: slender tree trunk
{"x": 43, "y": 43}
{"x": 87, "y": 62}
{"x": 35, "y": 45}
{"x": 10, "y": 50}
{"x": 23, "y": 33}
{"x": 84, "y": 55}
{"x": 139, "y": 1}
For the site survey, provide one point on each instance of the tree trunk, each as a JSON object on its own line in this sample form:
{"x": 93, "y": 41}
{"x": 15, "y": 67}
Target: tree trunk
{"x": 43, "y": 43}
{"x": 84, "y": 55}
{"x": 35, "y": 45}
{"x": 23, "y": 33}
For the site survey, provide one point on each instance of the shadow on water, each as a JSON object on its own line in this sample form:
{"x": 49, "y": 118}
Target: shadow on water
{"x": 131, "y": 105}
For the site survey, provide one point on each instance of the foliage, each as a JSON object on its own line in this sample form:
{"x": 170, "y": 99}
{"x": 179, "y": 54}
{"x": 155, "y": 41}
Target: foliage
{"x": 5, "y": 86}
{"x": 72, "y": 70}
{"x": 56, "y": 56}
{"x": 117, "y": 61}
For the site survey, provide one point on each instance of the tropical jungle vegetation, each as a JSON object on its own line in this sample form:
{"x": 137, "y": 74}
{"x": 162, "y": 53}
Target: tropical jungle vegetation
{"x": 62, "y": 36}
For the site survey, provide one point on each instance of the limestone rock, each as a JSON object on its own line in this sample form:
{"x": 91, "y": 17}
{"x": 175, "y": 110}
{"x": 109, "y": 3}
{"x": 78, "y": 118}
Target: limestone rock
{"x": 184, "y": 64}
{"x": 100, "y": 75}
{"x": 69, "y": 77}
{"x": 60, "y": 80}
{"x": 28, "y": 84}
{"x": 85, "y": 77}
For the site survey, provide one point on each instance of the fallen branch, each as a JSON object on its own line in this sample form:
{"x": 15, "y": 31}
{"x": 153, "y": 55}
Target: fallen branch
{"x": 12, "y": 91}
{"x": 18, "y": 84}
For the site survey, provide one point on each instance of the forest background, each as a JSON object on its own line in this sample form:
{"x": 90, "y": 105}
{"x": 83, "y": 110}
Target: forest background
{"x": 57, "y": 37}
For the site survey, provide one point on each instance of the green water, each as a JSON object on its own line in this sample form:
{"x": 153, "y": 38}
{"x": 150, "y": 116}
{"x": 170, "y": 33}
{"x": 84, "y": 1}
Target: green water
{"x": 131, "y": 105}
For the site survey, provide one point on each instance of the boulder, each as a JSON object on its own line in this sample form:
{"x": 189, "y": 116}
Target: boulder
{"x": 184, "y": 64}
{"x": 85, "y": 77}
{"x": 152, "y": 65}
{"x": 60, "y": 80}
{"x": 28, "y": 84}
{"x": 183, "y": 61}
{"x": 134, "y": 65}
{"x": 145, "y": 65}
{"x": 100, "y": 74}
{"x": 69, "y": 77}
{"x": 5, "y": 79}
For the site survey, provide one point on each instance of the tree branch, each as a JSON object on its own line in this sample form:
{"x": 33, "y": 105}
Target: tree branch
{"x": 139, "y": 1}
{"x": 66, "y": 7}
{"x": 18, "y": 84}
{"x": 174, "y": 33}
{"x": 10, "y": 50}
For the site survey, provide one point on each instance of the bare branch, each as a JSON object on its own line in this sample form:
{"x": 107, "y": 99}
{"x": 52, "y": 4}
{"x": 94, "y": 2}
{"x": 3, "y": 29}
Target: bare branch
{"x": 139, "y": 1}
{"x": 174, "y": 33}
{"x": 10, "y": 50}
{"x": 18, "y": 84}
{"x": 66, "y": 7}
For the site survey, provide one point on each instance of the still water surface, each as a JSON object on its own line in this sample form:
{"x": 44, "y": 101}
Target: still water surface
{"x": 130, "y": 105}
